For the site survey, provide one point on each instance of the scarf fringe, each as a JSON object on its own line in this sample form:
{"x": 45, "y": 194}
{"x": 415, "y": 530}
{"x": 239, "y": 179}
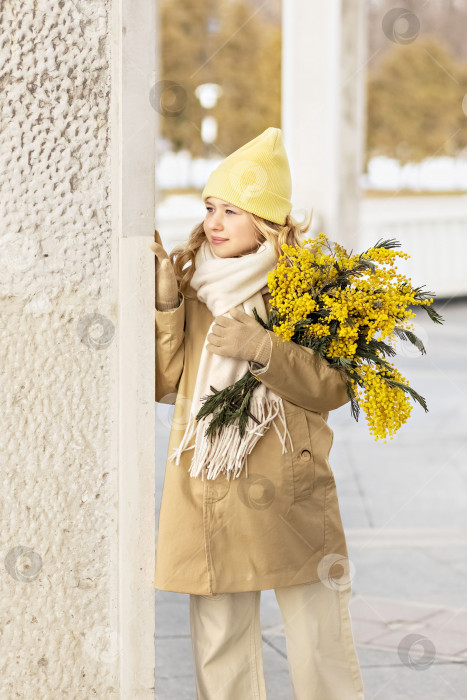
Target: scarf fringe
{"x": 228, "y": 452}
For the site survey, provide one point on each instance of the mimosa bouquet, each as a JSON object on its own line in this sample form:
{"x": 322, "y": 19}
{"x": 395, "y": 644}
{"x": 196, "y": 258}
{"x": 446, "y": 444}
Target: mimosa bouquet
{"x": 350, "y": 309}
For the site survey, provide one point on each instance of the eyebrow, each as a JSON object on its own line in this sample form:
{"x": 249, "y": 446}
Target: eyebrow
{"x": 226, "y": 204}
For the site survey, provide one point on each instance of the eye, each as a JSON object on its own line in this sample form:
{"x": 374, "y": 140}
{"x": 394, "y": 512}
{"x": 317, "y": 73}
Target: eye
{"x": 208, "y": 208}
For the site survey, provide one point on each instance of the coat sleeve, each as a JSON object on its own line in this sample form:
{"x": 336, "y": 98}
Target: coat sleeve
{"x": 170, "y": 349}
{"x": 299, "y": 375}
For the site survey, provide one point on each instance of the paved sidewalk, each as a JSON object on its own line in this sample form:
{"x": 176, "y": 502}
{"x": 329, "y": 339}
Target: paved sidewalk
{"x": 403, "y": 506}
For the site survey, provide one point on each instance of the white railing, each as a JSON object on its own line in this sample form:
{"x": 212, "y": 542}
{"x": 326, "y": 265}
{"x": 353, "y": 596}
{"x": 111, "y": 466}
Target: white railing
{"x": 432, "y": 230}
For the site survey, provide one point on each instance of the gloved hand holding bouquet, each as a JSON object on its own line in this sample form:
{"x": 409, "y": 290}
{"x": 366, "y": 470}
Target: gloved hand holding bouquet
{"x": 350, "y": 309}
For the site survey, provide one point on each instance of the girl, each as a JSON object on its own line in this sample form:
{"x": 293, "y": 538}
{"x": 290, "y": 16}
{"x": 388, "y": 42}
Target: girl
{"x": 239, "y": 516}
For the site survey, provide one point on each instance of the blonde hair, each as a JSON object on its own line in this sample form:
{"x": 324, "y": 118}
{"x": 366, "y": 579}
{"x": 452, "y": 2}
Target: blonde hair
{"x": 290, "y": 233}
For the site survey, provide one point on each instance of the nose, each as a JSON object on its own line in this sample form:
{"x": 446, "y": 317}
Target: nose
{"x": 216, "y": 222}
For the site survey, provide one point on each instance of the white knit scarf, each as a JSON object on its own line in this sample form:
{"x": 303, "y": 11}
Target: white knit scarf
{"x": 222, "y": 283}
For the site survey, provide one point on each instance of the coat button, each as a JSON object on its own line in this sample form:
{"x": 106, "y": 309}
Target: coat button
{"x": 305, "y": 455}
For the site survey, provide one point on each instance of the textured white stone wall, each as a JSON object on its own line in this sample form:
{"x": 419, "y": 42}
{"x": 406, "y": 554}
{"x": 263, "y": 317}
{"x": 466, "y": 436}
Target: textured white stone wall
{"x": 58, "y": 614}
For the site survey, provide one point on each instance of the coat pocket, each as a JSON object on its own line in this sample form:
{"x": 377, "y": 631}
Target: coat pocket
{"x": 302, "y": 462}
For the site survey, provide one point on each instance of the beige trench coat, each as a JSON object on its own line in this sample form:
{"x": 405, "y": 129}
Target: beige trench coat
{"x": 275, "y": 527}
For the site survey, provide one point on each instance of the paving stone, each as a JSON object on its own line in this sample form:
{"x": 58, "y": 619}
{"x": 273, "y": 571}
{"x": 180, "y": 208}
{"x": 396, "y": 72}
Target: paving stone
{"x": 175, "y": 677}
{"x": 276, "y": 675}
{"x": 172, "y": 614}
{"x": 384, "y": 624}
{"x": 386, "y": 678}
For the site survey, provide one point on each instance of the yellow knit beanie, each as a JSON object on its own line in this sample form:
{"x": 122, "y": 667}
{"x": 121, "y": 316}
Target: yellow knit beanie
{"x": 255, "y": 177}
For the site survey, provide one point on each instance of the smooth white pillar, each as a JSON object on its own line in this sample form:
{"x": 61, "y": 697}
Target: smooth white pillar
{"x": 323, "y": 96}
{"x": 134, "y": 139}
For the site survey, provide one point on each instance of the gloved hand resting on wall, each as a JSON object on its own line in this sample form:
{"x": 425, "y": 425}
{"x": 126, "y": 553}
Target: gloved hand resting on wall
{"x": 166, "y": 283}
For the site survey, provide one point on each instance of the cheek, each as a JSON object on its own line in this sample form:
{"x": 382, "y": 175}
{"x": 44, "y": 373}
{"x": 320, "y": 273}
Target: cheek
{"x": 246, "y": 232}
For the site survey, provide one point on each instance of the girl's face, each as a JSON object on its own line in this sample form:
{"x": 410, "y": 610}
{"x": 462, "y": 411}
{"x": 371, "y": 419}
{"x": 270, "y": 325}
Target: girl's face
{"x": 232, "y": 224}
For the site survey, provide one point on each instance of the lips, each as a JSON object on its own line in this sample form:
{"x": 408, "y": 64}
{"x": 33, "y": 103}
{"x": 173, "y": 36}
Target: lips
{"x": 219, "y": 240}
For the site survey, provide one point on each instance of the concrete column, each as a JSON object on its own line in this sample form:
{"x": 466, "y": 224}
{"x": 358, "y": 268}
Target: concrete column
{"x": 135, "y": 122}
{"x": 76, "y": 350}
{"x": 323, "y": 97}
{"x": 138, "y": 71}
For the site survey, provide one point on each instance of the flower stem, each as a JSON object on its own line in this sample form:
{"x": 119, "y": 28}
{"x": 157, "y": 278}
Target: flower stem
{"x": 229, "y": 404}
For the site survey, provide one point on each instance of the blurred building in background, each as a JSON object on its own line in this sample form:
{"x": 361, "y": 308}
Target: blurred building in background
{"x": 372, "y": 103}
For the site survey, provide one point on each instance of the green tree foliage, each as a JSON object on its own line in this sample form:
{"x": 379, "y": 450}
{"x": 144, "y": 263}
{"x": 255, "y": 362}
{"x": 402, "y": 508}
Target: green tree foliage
{"x": 414, "y": 102}
{"x": 226, "y": 42}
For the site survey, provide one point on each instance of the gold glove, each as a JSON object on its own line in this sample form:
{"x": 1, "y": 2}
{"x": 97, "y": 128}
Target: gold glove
{"x": 167, "y": 296}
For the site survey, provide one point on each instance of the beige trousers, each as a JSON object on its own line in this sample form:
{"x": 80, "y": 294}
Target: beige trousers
{"x": 227, "y": 644}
